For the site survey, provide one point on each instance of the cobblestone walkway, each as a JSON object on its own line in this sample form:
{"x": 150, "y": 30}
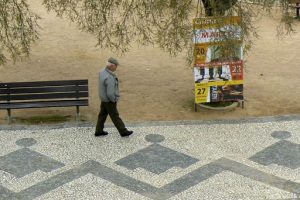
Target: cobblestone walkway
{"x": 246, "y": 159}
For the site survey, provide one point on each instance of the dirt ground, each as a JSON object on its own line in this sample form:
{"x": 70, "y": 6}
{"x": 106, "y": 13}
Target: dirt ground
{"x": 155, "y": 86}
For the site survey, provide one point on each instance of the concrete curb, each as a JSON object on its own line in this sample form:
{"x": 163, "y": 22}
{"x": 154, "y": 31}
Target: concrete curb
{"x": 265, "y": 119}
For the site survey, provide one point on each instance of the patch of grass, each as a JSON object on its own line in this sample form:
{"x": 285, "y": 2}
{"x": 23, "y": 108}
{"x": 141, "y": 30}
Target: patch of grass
{"x": 44, "y": 119}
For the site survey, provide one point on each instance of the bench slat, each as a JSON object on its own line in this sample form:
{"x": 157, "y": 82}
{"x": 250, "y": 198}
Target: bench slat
{"x": 44, "y": 96}
{"x": 43, "y": 83}
{"x": 41, "y": 104}
{"x": 44, "y": 90}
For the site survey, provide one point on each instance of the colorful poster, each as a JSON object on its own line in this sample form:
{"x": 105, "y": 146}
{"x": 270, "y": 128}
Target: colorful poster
{"x": 223, "y": 91}
{"x": 218, "y": 60}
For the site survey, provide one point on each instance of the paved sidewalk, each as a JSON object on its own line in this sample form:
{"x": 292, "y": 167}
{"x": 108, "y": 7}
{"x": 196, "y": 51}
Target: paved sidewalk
{"x": 189, "y": 160}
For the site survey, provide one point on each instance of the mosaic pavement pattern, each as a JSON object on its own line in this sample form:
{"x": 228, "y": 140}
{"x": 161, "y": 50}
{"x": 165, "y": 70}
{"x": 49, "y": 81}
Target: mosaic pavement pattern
{"x": 206, "y": 161}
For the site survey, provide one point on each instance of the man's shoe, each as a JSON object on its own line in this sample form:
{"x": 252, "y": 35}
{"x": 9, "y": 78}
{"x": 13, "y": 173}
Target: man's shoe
{"x": 126, "y": 133}
{"x": 102, "y": 133}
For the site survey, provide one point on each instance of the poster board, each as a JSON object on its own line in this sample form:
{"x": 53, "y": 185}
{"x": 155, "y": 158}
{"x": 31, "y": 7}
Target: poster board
{"x": 218, "y": 59}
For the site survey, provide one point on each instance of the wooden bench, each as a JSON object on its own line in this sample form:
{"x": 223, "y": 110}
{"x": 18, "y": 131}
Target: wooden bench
{"x": 42, "y": 94}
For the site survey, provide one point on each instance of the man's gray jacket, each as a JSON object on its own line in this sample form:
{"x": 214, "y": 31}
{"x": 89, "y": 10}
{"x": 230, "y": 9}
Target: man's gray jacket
{"x": 108, "y": 86}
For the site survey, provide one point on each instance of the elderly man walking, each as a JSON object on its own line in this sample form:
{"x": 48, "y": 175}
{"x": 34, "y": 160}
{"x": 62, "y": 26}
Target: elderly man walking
{"x": 109, "y": 95}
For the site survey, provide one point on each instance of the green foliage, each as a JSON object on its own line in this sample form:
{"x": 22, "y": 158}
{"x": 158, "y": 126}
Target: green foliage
{"x": 18, "y": 29}
{"x": 117, "y": 24}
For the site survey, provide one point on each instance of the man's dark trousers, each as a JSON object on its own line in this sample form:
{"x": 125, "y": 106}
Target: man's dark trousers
{"x": 110, "y": 108}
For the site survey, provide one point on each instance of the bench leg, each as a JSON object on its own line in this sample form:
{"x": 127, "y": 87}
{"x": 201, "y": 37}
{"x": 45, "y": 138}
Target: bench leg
{"x": 77, "y": 114}
{"x": 9, "y": 116}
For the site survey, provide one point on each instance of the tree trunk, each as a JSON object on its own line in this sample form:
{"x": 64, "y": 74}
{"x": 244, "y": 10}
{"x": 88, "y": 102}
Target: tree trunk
{"x": 217, "y": 7}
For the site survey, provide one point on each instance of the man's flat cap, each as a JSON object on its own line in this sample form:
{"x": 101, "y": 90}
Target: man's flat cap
{"x": 113, "y": 61}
